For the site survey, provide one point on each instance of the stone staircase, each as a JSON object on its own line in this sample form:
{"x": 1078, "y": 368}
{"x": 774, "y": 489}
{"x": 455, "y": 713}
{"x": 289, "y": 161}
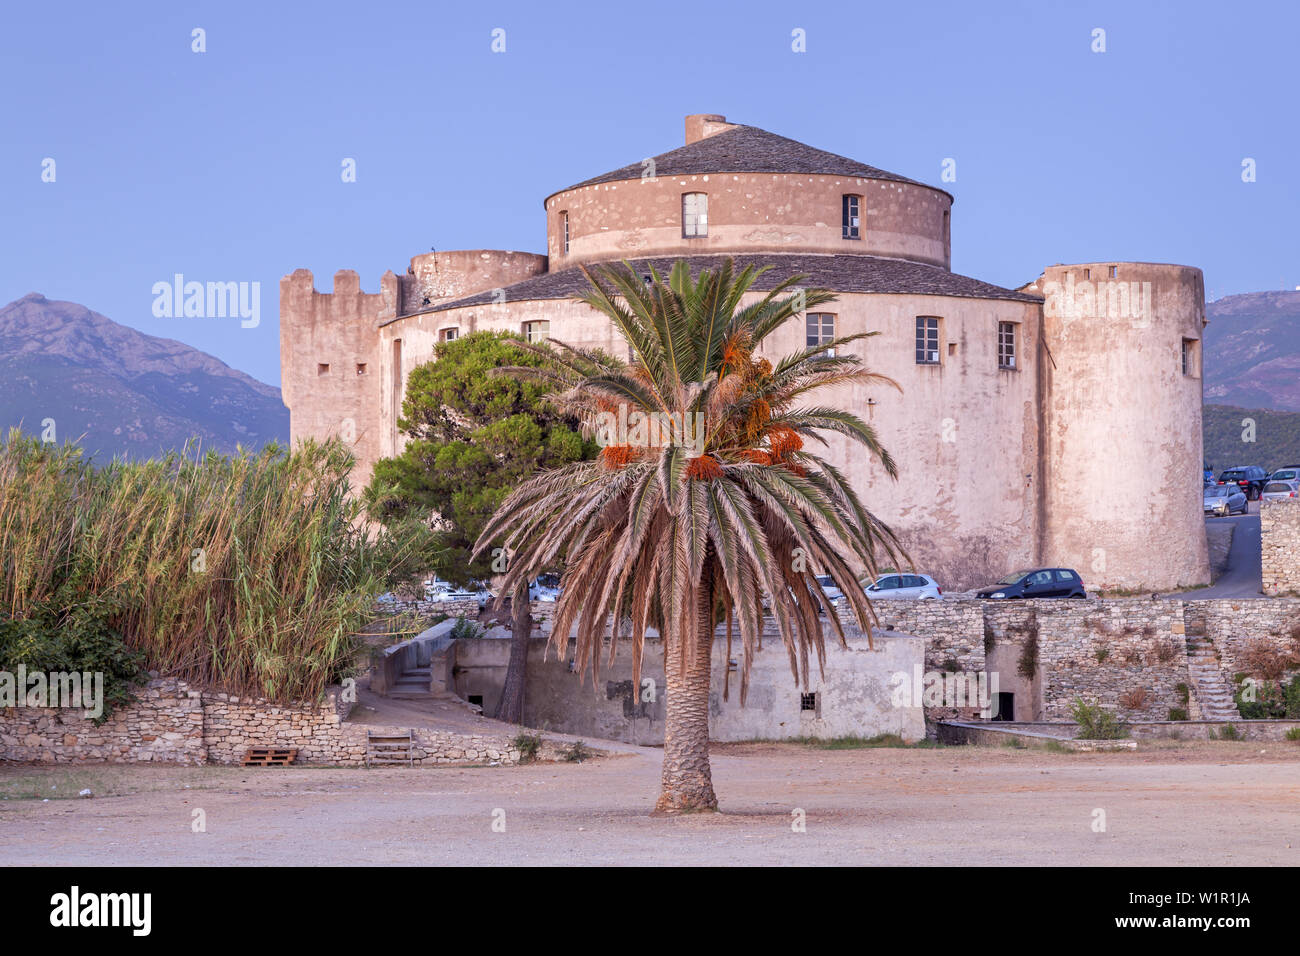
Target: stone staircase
{"x": 413, "y": 684}
{"x": 1211, "y": 691}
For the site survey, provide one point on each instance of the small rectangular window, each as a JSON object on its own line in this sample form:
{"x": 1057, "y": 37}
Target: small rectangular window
{"x": 821, "y": 329}
{"x": 927, "y": 340}
{"x": 808, "y": 701}
{"x": 1007, "y": 345}
{"x": 448, "y": 335}
{"x": 695, "y": 215}
{"x": 537, "y": 331}
{"x": 361, "y": 368}
{"x": 850, "y": 218}
{"x": 323, "y": 368}
{"x": 1114, "y": 271}
{"x": 564, "y": 228}
{"x": 1191, "y": 358}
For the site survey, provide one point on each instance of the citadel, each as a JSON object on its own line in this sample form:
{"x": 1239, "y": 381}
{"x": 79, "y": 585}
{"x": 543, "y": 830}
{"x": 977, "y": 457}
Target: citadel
{"x": 1055, "y": 424}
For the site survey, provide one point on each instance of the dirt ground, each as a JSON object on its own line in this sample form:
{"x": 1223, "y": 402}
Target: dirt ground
{"x": 1171, "y": 803}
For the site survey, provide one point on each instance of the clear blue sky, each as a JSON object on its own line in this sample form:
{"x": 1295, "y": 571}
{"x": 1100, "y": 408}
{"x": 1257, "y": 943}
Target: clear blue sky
{"x": 225, "y": 165}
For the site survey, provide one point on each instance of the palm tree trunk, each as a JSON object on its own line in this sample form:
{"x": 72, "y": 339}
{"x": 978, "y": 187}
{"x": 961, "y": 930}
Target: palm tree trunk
{"x": 687, "y": 781}
{"x": 511, "y": 708}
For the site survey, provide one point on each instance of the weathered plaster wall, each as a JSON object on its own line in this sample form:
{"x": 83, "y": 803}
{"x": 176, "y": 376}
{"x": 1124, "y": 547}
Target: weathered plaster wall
{"x": 748, "y": 212}
{"x": 1117, "y": 403}
{"x": 854, "y": 698}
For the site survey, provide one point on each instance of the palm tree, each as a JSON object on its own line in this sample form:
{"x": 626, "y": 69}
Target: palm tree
{"x": 681, "y": 527}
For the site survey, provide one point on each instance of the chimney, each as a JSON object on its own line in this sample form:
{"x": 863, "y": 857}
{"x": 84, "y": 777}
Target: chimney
{"x": 703, "y": 125}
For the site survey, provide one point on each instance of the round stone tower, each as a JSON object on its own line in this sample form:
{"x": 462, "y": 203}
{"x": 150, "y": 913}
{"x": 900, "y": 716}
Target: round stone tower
{"x": 1120, "y": 455}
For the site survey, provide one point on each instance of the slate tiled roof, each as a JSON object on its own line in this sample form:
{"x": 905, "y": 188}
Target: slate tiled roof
{"x": 748, "y": 149}
{"x": 838, "y": 273}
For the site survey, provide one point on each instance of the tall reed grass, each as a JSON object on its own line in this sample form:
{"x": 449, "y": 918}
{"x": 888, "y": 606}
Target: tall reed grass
{"x": 250, "y": 573}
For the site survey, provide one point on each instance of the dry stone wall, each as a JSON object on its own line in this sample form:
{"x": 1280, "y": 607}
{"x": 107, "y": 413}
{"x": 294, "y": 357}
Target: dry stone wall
{"x": 1279, "y": 525}
{"x": 170, "y": 722}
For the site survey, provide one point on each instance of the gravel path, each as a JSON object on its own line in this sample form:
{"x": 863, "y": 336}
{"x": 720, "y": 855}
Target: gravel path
{"x": 1169, "y": 804}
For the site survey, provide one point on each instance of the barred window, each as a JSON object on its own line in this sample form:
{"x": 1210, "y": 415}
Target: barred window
{"x": 564, "y": 231}
{"x": 927, "y": 340}
{"x": 821, "y": 328}
{"x": 1006, "y": 345}
{"x": 537, "y": 330}
{"x": 695, "y": 215}
{"x": 850, "y": 216}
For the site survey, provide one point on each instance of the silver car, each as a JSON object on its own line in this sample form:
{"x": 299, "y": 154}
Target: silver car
{"x": 1224, "y": 500}
{"x": 1277, "y": 490}
{"x": 920, "y": 587}
{"x": 1285, "y": 474}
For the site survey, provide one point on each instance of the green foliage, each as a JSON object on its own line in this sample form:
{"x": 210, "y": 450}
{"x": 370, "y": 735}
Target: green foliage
{"x": 79, "y": 639}
{"x": 465, "y": 629}
{"x": 577, "y": 752}
{"x": 1097, "y": 723}
{"x": 1229, "y": 732}
{"x": 1184, "y": 692}
{"x": 1274, "y": 700}
{"x": 1027, "y": 666}
{"x": 250, "y": 573}
{"x": 473, "y": 436}
{"x": 1293, "y": 733}
{"x": 1177, "y": 713}
{"x": 528, "y": 745}
{"x": 1277, "y": 437}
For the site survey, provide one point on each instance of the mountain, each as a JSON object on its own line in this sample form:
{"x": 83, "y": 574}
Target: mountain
{"x": 1252, "y": 351}
{"x": 1276, "y": 437}
{"x": 121, "y": 392}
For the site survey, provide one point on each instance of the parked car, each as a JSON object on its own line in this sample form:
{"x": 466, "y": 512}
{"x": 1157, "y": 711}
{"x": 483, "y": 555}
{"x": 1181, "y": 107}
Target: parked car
{"x": 919, "y": 587}
{"x": 545, "y": 588}
{"x": 1224, "y": 500}
{"x": 1286, "y": 473}
{"x": 1249, "y": 478}
{"x": 1277, "y": 490}
{"x": 439, "y": 590}
{"x": 831, "y": 590}
{"x": 1038, "y": 583}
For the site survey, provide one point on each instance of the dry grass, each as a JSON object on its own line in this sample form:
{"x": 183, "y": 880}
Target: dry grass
{"x": 248, "y": 573}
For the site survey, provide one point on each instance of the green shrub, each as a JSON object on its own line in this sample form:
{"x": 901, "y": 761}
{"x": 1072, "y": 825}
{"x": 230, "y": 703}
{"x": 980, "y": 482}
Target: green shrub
{"x": 1177, "y": 713}
{"x": 1293, "y": 733}
{"x": 1097, "y": 723}
{"x": 1230, "y": 732}
{"x": 465, "y": 629}
{"x": 576, "y": 752}
{"x": 1184, "y": 693}
{"x": 528, "y": 746}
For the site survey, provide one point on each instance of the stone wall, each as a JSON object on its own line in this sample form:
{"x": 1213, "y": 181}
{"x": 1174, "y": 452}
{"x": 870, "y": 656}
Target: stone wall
{"x": 169, "y": 722}
{"x": 1279, "y": 525}
{"x": 1100, "y": 650}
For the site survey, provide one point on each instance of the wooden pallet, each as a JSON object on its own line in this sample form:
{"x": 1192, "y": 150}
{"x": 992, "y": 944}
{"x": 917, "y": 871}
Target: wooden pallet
{"x": 270, "y": 756}
{"x": 390, "y": 748}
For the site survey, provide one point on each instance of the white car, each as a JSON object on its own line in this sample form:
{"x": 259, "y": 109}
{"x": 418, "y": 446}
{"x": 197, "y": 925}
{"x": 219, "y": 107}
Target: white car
{"x": 439, "y": 590}
{"x": 831, "y": 590}
{"x": 920, "y": 587}
{"x": 545, "y": 588}
{"x": 1276, "y": 490}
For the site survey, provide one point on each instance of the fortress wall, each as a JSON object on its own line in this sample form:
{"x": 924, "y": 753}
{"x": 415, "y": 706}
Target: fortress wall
{"x": 437, "y": 277}
{"x": 747, "y": 213}
{"x": 329, "y": 374}
{"x": 1121, "y": 424}
{"x": 963, "y": 432}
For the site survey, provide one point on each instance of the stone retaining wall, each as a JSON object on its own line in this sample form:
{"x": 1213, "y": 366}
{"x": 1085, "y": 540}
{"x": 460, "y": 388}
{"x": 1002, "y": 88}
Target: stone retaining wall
{"x": 1279, "y": 525}
{"x": 169, "y": 722}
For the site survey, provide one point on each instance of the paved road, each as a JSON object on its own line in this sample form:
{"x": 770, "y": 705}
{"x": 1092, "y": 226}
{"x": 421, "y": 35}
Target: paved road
{"x": 1244, "y": 575}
